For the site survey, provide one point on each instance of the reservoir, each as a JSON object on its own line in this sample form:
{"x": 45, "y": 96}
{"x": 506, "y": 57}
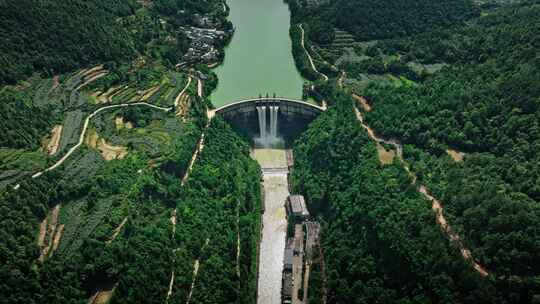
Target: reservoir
{"x": 259, "y": 58}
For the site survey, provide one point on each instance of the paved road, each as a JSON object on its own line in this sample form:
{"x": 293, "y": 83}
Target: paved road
{"x": 309, "y": 56}
{"x": 85, "y": 128}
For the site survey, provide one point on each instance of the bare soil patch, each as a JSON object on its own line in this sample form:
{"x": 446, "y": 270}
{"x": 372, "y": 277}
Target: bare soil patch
{"x": 386, "y": 157}
{"x": 57, "y": 238}
{"x": 456, "y": 155}
{"x": 49, "y": 237}
{"x": 149, "y": 93}
{"x": 91, "y": 78}
{"x": 102, "y": 296}
{"x": 91, "y": 139}
{"x": 363, "y": 102}
{"x": 86, "y": 72}
{"x": 42, "y": 232}
{"x": 109, "y": 152}
{"x": 52, "y": 145}
{"x": 121, "y": 124}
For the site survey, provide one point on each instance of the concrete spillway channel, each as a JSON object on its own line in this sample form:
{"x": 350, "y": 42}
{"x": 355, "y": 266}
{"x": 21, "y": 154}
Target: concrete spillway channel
{"x": 276, "y": 190}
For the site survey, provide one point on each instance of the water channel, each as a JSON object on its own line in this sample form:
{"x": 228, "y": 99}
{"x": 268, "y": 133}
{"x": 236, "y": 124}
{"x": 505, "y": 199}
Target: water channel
{"x": 276, "y": 190}
{"x": 259, "y": 58}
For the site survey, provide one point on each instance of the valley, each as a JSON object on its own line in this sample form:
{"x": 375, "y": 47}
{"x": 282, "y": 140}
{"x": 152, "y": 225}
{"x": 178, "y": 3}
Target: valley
{"x": 269, "y": 152}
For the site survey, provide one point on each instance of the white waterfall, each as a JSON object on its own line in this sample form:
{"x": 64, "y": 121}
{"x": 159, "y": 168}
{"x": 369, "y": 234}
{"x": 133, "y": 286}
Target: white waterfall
{"x": 273, "y": 121}
{"x": 268, "y": 136}
{"x": 262, "y": 121}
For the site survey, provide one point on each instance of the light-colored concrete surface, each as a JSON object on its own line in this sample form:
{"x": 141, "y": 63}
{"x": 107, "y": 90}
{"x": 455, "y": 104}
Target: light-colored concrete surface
{"x": 274, "y": 226}
{"x": 270, "y": 158}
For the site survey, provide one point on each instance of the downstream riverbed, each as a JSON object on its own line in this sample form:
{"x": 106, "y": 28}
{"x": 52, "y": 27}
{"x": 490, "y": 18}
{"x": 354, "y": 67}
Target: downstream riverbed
{"x": 259, "y": 58}
{"x": 276, "y": 190}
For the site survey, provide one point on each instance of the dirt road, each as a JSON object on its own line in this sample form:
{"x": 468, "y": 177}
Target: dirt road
{"x": 436, "y": 204}
{"x": 311, "y": 62}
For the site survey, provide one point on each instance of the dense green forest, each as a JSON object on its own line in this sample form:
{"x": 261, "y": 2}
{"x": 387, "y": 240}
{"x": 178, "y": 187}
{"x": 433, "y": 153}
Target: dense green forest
{"x": 55, "y": 37}
{"x": 380, "y": 240}
{"x": 486, "y": 104}
{"x": 372, "y": 19}
{"x": 58, "y": 36}
{"x": 218, "y": 210}
{"x": 136, "y": 200}
{"x": 19, "y": 129}
{"x": 464, "y": 99}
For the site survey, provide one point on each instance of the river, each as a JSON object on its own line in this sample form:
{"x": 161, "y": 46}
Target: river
{"x": 259, "y": 58}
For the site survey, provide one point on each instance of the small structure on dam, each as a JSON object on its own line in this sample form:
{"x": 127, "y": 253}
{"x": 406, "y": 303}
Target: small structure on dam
{"x": 269, "y": 121}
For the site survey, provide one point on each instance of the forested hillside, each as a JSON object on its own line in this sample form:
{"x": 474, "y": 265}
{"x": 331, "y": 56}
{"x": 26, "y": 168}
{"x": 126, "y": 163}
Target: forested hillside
{"x": 95, "y": 227}
{"x": 58, "y": 36}
{"x": 219, "y": 222}
{"x": 55, "y": 37}
{"x": 379, "y": 236}
{"x": 74, "y": 231}
{"x": 372, "y": 19}
{"x": 487, "y": 106}
{"x": 64, "y": 60}
{"x": 22, "y": 124}
{"x": 464, "y": 101}
{"x": 93, "y": 94}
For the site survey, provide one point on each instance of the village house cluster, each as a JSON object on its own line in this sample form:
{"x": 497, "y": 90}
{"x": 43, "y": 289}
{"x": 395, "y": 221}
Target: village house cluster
{"x": 205, "y": 38}
{"x": 203, "y": 44}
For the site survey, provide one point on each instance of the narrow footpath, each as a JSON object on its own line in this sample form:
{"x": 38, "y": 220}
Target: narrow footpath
{"x": 436, "y": 204}
{"x": 194, "y": 157}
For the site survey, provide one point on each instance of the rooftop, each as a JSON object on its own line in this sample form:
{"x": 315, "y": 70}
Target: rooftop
{"x": 298, "y": 205}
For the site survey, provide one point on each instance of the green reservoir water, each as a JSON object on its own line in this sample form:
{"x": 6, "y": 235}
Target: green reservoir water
{"x": 259, "y": 58}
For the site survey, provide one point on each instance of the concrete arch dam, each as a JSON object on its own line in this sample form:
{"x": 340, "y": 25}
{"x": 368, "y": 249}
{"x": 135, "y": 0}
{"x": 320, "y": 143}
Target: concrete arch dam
{"x": 269, "y": 120}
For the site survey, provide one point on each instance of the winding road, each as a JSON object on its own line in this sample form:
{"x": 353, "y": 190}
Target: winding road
{"x": 85, "y": 128}
{"x": 302, "y": 42}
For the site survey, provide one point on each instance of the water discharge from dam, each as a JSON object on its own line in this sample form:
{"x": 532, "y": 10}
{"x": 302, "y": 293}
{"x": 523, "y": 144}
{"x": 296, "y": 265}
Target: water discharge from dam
{"x": 268, "y": 133}
{"x": 276, "y": 190}
{"x": 273, "y": 121}
{"x": 259, "y": 61}
{"x": 262, "y": 121}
